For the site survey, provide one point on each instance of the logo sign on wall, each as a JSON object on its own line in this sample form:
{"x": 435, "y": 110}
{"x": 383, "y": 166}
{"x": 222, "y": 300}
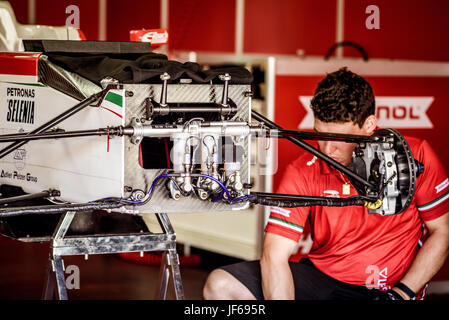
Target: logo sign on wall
{"x": 155, "y": 36}
{"x": 391, "y": 112}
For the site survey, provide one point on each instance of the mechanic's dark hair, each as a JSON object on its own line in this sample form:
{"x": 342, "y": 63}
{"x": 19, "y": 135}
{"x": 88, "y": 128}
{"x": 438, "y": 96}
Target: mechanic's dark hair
{"x": 343, "y": 96}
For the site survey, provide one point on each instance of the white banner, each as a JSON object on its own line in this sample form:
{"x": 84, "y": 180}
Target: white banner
{"x": 391, "y": 112}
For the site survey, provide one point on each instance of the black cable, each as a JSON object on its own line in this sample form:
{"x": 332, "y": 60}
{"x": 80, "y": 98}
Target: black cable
{"x": 346, "y": 43}
{"x": 295, "y": 204}
{"x": 292, "y": 201}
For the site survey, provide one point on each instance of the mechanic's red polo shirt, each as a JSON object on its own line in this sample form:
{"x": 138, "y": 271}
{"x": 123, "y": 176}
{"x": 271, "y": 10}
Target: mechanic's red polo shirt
{"x": 349, "y": 244}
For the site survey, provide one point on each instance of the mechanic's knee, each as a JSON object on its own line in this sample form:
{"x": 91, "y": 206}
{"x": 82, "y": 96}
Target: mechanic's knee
{"x": 218, "y": 286}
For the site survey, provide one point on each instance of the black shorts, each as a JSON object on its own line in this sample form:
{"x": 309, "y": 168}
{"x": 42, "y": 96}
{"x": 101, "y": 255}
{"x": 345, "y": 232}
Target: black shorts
{"x": 310, "y": 283}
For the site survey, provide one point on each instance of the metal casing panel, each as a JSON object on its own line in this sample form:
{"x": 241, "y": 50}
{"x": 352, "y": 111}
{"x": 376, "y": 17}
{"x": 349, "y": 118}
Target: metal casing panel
{"x": 138, "y": 178}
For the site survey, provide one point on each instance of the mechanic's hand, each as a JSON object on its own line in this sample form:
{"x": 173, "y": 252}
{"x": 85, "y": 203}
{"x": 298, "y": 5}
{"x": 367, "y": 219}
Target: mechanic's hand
{"x": 388, "y": 295}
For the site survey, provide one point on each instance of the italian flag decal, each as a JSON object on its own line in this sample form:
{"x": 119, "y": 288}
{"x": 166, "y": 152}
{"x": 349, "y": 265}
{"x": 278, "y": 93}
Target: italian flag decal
{"x": 434, "y": 203}
{"x": 113, "y": 102}
{"x": 285, "y": 224}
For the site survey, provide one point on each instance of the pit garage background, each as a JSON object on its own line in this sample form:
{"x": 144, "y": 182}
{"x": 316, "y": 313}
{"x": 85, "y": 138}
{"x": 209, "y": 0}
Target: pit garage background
{"x": 286, "y": 44}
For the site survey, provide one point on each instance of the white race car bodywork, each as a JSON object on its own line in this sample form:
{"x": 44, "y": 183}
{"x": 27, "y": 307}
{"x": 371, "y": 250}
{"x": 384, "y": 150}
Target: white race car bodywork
{"x": 83, "y": 169}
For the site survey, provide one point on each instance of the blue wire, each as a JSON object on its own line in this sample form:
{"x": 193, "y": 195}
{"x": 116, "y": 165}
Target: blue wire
{"x": 151, "y": 190}
{"x": 154, "y": 182}
{"x": 242, "y": 198}
{"x": 219, "y": 197}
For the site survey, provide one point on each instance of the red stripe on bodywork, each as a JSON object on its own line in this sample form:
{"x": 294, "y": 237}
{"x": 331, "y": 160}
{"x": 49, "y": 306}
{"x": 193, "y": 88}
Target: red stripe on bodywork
{"x": 81, "y": 34}
{"x": 19, "y": 63}
{"x": 117, "y": 114}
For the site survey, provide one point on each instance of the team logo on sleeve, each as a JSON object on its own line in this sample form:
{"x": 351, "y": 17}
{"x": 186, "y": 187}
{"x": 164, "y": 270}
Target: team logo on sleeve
{"x": 309, "y": 163}
{"x": 442, "y": 186}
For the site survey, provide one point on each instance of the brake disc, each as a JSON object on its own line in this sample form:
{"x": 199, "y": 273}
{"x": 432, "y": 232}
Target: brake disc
{"x": 388, "y": 164}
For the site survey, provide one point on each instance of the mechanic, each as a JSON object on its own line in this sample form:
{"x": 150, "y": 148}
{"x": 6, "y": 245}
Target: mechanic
{"x": 355, "y": 255}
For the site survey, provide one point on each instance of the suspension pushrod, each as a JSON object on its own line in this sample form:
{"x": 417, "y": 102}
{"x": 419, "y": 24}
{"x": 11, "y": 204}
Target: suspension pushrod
{"x": 57, "y": 134}
{"x": 66, "y": 114}
{"x": 271, "y": 125}
{"x": 282, "y": 133}
{"x": 43, "y": 194}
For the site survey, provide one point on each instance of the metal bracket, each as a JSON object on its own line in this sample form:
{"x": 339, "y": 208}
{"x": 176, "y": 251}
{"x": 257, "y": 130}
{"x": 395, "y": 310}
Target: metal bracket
{"x": 163, "y": 104}
{"x": 137, "y": 137}
{"x": 224, "y": 98}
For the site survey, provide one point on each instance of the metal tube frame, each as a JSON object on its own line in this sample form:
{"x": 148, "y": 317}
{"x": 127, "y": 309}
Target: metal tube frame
{"x": 109, "y": 244}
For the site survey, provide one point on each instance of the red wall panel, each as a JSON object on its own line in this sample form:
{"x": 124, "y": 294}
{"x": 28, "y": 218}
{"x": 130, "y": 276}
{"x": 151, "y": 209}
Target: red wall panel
{"x": 409, "y": 29}
{"x": 283, "y": 27}
{"x": 20, "y": 8}
{"x": 50, "y": 12}
{"x": 136, "y": 14}
{"x": 202, "y": 25}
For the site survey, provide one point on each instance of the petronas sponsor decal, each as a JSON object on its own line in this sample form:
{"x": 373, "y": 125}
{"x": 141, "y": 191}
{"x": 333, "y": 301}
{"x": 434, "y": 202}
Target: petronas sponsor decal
{"x": 20, "y": 105}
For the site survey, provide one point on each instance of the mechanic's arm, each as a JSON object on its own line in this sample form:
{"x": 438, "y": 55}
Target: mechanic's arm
{"x": 277, "y": 280}
{"x": 430, "y": 257}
